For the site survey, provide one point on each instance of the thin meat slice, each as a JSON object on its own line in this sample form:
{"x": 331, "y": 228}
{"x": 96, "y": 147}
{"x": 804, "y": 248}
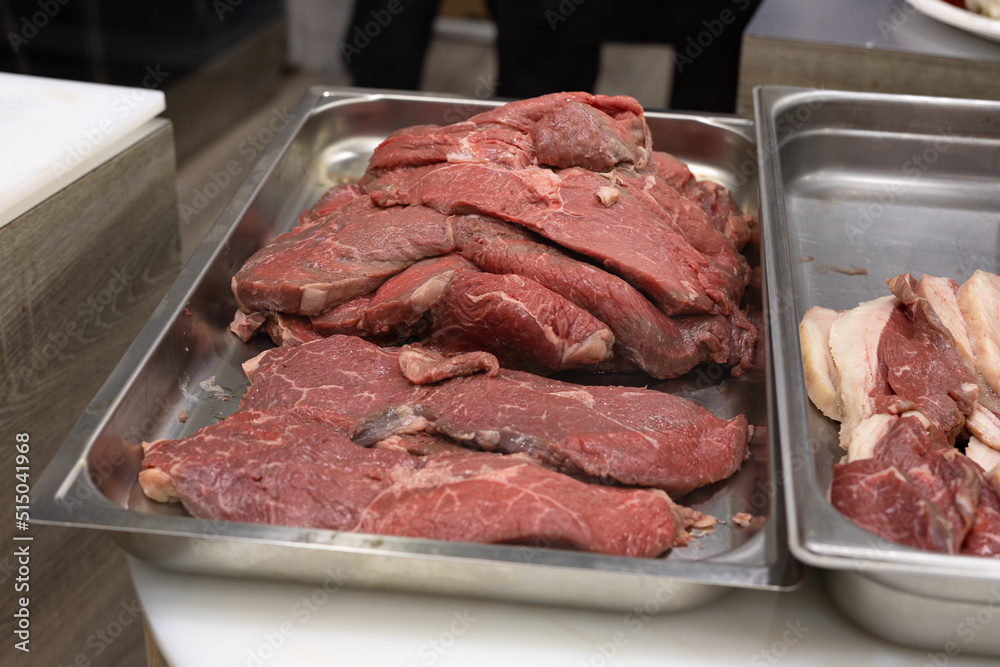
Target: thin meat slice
{"x": 353, "y": 251}
{"x": 867, "y": 435}
{"x": 923, "y": 366}
{"x": 289, "y": 329}
{"x": 561, "y": 130}
{"x": 984, "y": 536}
{"x": 880, "y": 499}
{"x": 627, "y": 238}
{"x": 854, "y": 344}
{"x": 985, "y": 425}
{"x": 280, "y": 468}
{"x": 914, "y": 489}
{"x": 245, "y": 325}
{"x": 333, "y": 199}
{"x": 423, "y": 366}
{"x": 527, "y": 504}
{"x": 979, "y": 300}
{"x": 714, "y": 199}
{"x": 662, "y": 346}
{"x": 342, "y": 375}
{"x": 403, "y": 299}
{"x": 678, "y": 213}
{"x": 580, "y": 135}
{"x": 282, "y": 329}
{"x": 343, "y": 319}
{"x": 520, "y": 322}
{"x": 941, "y": 297}
{"x": 635, "y": 437}
{"x": 463, "y": 142}
{"x": 821, "y": 374}
{"x": 632, "y": 436}
{"x": 942, "y": 474}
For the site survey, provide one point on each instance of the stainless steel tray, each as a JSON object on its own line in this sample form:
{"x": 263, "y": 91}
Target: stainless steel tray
{"x": 858, "y": 188}
{"x": 186, "y": 361}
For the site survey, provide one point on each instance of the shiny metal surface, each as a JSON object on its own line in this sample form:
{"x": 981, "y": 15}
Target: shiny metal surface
{"x": 859, "y": 188}
{"x": 186, "y": 364}
{"x": 887, "y": 25}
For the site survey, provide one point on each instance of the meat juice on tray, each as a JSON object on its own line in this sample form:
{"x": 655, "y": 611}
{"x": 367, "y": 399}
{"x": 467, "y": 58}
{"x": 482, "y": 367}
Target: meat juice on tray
{"x": 913, "y": 377}
{"x": 419, "y": 311}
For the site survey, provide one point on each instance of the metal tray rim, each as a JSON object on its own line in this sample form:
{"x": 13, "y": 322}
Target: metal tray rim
{"x": 66, "y": 473}
{"x": 804, "y": 503}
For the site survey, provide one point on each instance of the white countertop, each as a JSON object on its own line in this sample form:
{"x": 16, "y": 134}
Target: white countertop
{"x": 201, "y": 621}
{"x": 52, "y": 132}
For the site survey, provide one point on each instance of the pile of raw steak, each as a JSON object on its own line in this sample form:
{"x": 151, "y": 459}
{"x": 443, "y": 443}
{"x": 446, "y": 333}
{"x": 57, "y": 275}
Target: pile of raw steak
{"x": 418, "y": 311}
{"x": 913, "y": 378}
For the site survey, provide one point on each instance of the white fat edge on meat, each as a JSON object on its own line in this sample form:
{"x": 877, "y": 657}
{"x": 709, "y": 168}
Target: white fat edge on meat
{"x": 591, "y": 350}
{"x": 993, "y": 477}
{"x": 313, "y": 299}
{"x": 854, "y": 339}
{"x": 987, "y": 457}
{"x": 424, "y": 296}
{"x": 821, "y": 375}
{"x": 866, "y": 435}
{"x": 159, "y": 486}
{"x": 251, "y": 365}
{"x": 979, "y": 300}
{"x": 984, "y": 425}
{"x": 941, "y": 294}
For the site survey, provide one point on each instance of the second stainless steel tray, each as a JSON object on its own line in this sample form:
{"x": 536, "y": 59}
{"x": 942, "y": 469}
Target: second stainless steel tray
{"x": 858, "y": 188}
{"x": 185, "y": 361}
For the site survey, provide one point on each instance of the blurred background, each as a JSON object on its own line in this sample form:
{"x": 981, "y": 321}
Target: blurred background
{"x": 228, "y": 67}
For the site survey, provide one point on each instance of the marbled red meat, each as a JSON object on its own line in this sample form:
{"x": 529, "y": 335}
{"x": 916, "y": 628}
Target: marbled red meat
{"x": 632, "y": 436}
{"x": 914, "y": 490}
{"x": 628, "y": 237}
{"x": 522, "y": 323}
{"x": 350, "y": 253}
{"x": 289, "y": 469}
{"x": 559, "y": 130}
{"x": 662, "y": 346}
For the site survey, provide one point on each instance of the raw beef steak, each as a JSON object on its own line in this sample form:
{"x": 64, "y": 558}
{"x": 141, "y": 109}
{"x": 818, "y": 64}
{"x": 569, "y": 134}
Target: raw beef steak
{"x": 350, "y": 253}
{"x": 520, "y": 322}
{"x": 662, "y": 346}
{"x": 285, "y": 468}
{"x": 626, "y": 435}
{"x": 558, "y": 130}
{"x": 626, "y": 237}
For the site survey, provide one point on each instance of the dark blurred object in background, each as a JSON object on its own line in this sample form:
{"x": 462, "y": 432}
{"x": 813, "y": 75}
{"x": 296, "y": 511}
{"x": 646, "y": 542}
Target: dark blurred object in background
{"x": 546, "y": 46}
{"x": 215, "y": 60}
{"x": 706, "y": 36}
{"x": 383, "y": 49}
{"x": 115, "y": 41}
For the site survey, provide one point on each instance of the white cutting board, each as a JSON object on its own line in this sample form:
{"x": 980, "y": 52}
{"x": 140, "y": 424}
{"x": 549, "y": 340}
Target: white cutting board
{"x": 52, "y": 132}
{"x": 201, "y": 621}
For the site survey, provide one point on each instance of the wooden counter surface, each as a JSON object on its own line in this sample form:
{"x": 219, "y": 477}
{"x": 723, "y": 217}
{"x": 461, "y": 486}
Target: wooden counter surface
{"x": 81, "y": 272}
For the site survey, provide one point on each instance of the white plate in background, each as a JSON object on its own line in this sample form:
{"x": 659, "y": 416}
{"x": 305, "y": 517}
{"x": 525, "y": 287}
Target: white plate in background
{"x": 963, "y": 19}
